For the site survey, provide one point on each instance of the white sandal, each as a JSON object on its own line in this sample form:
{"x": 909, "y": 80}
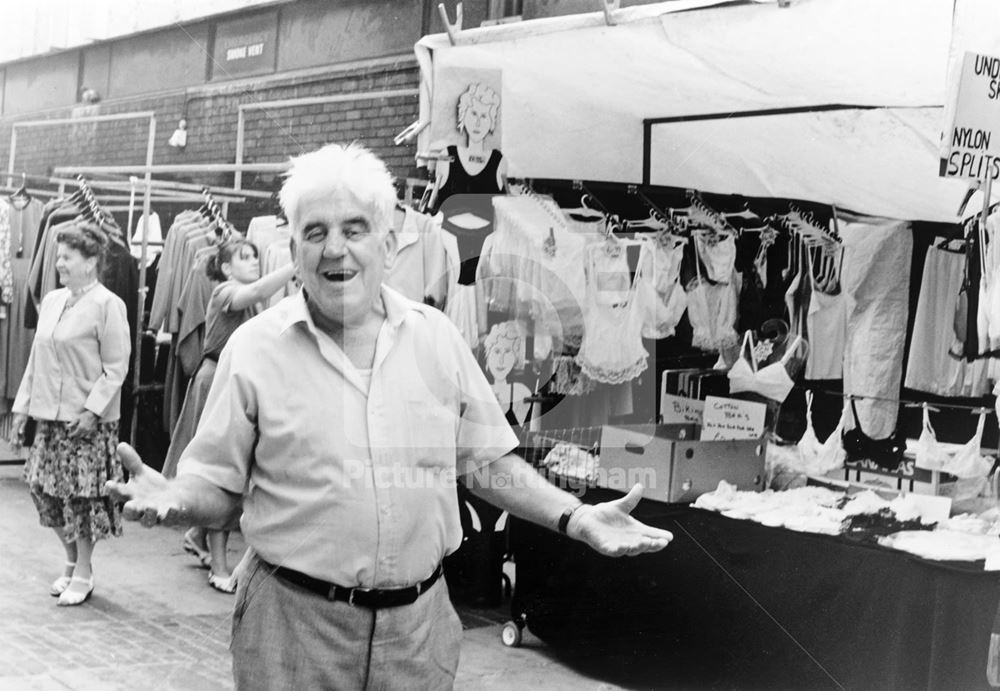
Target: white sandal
{"x": 60, "y": 584}
{"x": 71, "y": 598}
{"x": 223, "y": 585}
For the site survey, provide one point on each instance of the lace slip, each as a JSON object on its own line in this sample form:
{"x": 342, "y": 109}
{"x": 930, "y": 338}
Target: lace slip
{"x": 612, "y": 350}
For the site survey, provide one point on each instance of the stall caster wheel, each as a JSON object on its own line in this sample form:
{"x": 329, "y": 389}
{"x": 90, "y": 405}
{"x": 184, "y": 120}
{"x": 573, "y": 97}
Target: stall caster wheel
{"x": 511, "y": 634}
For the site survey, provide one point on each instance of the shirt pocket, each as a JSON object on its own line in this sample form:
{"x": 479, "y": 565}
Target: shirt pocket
{"x": 432, "y": 429}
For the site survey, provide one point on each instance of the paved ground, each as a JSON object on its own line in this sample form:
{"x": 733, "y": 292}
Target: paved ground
{"x": 154, "y": 623}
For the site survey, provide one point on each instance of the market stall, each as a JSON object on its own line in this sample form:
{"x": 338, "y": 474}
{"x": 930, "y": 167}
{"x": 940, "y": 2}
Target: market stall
{"x": 837, "y": 105}
{"x": 732, "y": 603}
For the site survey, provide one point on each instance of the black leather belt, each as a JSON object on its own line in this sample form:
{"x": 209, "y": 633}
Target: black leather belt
{"x": 371, "y": 598}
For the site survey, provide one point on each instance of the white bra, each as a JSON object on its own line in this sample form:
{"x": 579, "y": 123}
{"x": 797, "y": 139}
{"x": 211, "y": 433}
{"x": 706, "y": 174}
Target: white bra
{"x": 771, "y": 381}
{"x": 965, "y": 462}
{"x": 820, "y": 458}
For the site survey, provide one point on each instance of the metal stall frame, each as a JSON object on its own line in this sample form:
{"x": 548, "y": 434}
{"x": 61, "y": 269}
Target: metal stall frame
{"x": 150, "y": 145}
{"x": 177, "y": 191}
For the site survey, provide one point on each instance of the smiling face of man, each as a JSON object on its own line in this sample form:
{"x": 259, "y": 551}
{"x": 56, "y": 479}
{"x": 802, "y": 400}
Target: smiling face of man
{"x": 340, "y": 255}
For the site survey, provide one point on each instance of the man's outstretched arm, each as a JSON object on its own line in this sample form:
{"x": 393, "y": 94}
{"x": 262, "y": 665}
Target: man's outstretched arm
{"x": 152, "y": 499}
{"x": 511, "y": 484}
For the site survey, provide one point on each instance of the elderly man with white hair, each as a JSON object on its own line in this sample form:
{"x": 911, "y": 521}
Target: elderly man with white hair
{"x": 344, "y": 414}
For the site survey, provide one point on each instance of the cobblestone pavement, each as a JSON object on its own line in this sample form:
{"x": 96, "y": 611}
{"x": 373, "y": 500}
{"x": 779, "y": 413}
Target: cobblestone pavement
{"x": 153, "y": 623}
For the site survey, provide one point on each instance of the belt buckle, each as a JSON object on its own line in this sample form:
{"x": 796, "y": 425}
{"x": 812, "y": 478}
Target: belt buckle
{"x": 350, "y": 598}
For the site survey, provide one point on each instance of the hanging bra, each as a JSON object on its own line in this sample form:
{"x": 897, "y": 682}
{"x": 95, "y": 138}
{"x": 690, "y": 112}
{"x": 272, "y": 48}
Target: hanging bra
{"x": 886, "y": 453}
{"x": 820, "y": 458}
{"x": 966, "y": 462}
{"x": 771, "y": 381}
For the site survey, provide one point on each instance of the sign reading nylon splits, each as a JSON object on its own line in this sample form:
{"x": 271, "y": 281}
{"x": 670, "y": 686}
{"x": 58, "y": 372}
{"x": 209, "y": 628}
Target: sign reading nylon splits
{"x": 970, "y": 146}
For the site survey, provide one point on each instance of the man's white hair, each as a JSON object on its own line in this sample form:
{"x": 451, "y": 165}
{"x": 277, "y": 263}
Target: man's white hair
{"x": 352, "y": 168}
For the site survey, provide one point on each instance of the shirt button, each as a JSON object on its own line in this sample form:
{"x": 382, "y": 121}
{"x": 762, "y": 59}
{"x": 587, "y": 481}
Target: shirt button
{"x": 385, "y": 511}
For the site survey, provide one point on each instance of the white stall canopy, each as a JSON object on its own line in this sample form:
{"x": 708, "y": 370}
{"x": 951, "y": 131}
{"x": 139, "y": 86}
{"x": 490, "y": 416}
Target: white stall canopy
{"x": 833, "y": 101}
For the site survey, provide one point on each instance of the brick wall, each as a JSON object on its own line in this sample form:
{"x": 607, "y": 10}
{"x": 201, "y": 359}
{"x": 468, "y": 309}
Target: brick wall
{"x": 271, "y": 135}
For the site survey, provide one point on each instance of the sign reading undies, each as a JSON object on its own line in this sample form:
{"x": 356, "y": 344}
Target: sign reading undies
{"x": 729, "y": 418}
{"x": 971, "y": 138}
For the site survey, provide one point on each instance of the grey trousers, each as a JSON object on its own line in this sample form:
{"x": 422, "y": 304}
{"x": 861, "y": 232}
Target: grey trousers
{"x": 286, "y": 637}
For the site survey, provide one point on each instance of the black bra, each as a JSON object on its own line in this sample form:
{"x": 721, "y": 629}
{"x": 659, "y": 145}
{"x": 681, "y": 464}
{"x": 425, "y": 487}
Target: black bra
{"x": 885, "y": 453}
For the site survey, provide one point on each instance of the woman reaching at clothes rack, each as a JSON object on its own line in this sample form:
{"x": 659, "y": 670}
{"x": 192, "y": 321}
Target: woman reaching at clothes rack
{"x": 237, "y": 298}
{"x": 72, "y": 389}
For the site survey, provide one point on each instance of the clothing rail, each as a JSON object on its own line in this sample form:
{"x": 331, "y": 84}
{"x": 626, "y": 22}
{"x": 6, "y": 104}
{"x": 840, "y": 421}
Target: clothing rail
{"x": 219, "y": 192}
{"x": 193, "y": 191}
{"x": 906, "y": 402}
{"x": 165, "y": 188}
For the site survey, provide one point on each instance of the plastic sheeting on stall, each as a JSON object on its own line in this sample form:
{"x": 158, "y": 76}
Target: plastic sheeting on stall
{"x": 576, "y": 92}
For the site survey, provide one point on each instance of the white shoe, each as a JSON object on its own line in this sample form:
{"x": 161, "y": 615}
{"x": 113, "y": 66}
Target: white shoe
{"x": 61, "y": 583}
{"x": 71, "y": 597}
{"x": 223, "y": 585}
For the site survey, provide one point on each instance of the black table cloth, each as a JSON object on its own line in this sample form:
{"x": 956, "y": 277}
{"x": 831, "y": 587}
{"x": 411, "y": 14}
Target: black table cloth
{"x": 733, "y": 604}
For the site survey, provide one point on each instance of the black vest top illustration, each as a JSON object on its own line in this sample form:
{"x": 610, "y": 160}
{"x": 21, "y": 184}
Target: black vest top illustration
{"x": 469, "y": 194}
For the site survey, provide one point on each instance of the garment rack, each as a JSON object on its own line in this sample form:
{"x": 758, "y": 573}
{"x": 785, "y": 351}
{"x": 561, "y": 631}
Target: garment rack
{"x": 164, "y": 188}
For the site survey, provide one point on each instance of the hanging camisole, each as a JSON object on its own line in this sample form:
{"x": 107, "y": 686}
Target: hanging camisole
{"x": 466, "y": 202}
{"x": 712, "y": 308}
{"x": 666, "y": 300}
{"x": 612, "y": 350}
{"x": 751, "y": 305}
{"x": 798, "y": 293}
{"x": 771, "y": 381}
{"x": 719, "y": 256}
{"x": 929, "y": 367}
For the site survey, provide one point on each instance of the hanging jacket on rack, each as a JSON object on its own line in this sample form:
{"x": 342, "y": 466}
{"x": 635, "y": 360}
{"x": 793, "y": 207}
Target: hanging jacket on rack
{"x": 15, "y": 338}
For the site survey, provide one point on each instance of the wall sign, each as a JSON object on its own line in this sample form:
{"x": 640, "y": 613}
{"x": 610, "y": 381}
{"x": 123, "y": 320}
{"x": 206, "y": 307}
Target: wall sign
{"x": 729, "y": 418}
{"x": 971, "y": 139}
{"x": 245, "y": 46}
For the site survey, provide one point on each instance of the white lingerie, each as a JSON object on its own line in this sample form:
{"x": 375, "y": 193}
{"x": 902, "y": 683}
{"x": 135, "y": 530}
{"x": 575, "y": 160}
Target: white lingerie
{"x": 612, "y": 350}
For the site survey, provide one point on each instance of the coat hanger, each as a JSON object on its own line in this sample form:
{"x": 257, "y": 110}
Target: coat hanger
{"x": 744, "y": 213}
{"x": 20, "y": 195}
{"x": 589, "y": 209}
{"x": 702, "y": 213}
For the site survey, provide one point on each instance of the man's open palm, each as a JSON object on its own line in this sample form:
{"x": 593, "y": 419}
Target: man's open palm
{"x": 610, "y": 529}
{"x": 148, "y": 496}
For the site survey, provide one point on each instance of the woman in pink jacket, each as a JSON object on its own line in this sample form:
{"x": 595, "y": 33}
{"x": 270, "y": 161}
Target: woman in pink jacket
{"x": 72, "y": 389}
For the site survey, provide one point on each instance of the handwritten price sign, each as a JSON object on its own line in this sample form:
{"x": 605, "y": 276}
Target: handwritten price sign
{"x": 728, "y": 418}
{"x": 680, "y": 410}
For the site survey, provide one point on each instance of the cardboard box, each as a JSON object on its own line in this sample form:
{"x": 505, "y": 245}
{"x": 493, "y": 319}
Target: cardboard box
{"x": 673, "y": 464}
{"x": 907, "y": 478}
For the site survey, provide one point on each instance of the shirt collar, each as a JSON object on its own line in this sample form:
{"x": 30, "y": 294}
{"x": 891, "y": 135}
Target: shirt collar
{"x": 409, "y": 233}
{"x": 396, "y": 307}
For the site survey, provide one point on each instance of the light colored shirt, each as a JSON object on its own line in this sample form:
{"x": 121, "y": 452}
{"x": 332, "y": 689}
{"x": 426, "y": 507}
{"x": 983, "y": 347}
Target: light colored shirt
{"x": 347, "y": 483}
{"x": 420, "y": 268}
{"x": 78, "y": 359}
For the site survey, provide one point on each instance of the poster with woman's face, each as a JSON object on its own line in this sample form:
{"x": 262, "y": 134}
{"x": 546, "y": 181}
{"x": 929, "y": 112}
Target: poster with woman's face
{"x": 466, "y": 109}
